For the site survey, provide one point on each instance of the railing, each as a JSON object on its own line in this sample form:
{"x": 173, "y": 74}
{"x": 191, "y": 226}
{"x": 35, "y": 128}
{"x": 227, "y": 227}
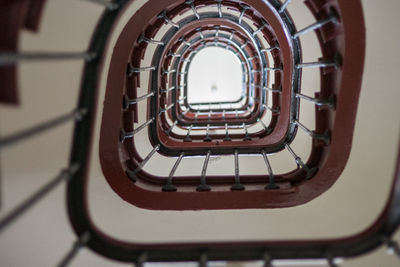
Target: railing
{"x": 181, "y": 129}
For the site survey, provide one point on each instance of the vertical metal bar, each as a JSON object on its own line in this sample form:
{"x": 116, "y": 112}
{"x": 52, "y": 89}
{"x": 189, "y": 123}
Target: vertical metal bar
{"x": 125, "y": 135}
{"x": 30, "y": 132}
{"x": 169, "y": 187}
{"x": 246, "y": 137}
{"x": 191, "y": 3}
{"x": 323, "y": 137}
{"x": 271, "y": 184}
{"x": 172, "y": 127}
{"x": 227, "y": 138}
{"x": 10, "y": 58}
{"x": 203, "y": 261}
{"x": 80, "y": 243}
{"x": 132, "y": 174}
{"x": 188, "y": 138}
{"x": 245, "y": 7}
{"x": 284, "y": 5}
{"x": 38, "y": 195}
{"x": 219, "y": 8}
{"x": 309, "y": 172}
{"x": 237, "y": 185}
{"x": 140, "y": 262}
{"x": 207, "y": 138}
{"x": 331, "y": 18}
{"x": 267, "y": 130}
{"x": 330, "y": 102}
{"x": 203, "y": 186}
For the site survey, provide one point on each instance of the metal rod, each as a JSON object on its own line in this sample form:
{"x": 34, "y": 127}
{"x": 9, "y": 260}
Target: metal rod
{"x": 331, "y": 18}
{"x": 203, "y": 186}
{"x": 273, "y": 110}
{"x": 203, "y": 261}
{"x": 226, "y": 138}
{"x": 319, "y": 64}
{"x": 167, "y": 90}
{"x": 140, "y": 262}
{"x": 324, "y": 137}
{"x": 191, "y": 3}
{"x": 309, "y": 172}
{"x": 260, "y": 29}
{"x": 11, "y": 139}
{"x": 269, "y": 49}
{"x": 271, "y": 184}
{"x": 163, "y": 110}
{"x": 284, "y": 5}
{"x": 237, "y": 185}
{"x": 125, "y": 135}
{"x": 187, "y": 138}
{"x": 245, "y": 7}
{"x": 219, "y": 8}
{"x": 164, "y": 16}
{"x": 132, "y": 174}
{"x": 246, "y": 137}
{"x": 80, "y": 243}
{"x": 268, "y": 131}
{"x": 393, "y": 247}
{"x": 132, "y": 70}
{"x": 38, "y": 195}
{"x": 165, "y": 72}
{"x": 110, "y": 5}
{"x": 273, "y": 90}
{"x": 170, "y": 129}
{"x": 10, "y": 58}
{"x": 169, "y": 187}
{"x": 207, "y": 138}
{"x": 330, "y": 102}
{"x": 128, "y": 101}
{"x": 143, "y": 38}
{"x": 275, "y": 68}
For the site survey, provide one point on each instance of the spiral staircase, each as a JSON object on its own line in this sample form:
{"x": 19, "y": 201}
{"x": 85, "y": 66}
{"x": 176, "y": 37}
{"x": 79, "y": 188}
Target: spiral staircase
{"x": 146, "y": 154}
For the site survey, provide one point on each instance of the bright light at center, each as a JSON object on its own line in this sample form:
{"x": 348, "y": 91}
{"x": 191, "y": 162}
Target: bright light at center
{"x": 215, "y": 75}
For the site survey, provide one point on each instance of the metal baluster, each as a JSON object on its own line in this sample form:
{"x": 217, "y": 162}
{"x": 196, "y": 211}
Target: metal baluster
{"x": 196, "y": 115}
{"x": 271, "y": 184}
{"x": 167, "y": 20}
{"x": 260, "y": 29}
{"x": 80, "y": 243}
{"x": 141, "y": 260}
{"x": 319, "y": 64}
{"x": 273, "y": 90}
{"x": 11, "y": 58}
{"x": 127, "y": 101}
{"x": 191, "y": 3}
{"x": 143, "y": 38}
{"x": 266, "y": 129}
{"x": 207, "y": 138}
{"x": 227, "y": 138}
{"x": 273, "y": 68}
{"x": 331, "y": 18}
{"x": 166, "y": 72}
{"x": 269, "y": 49}
{"x": 309, "y": 172}
{"x": 132, "y": 70}
{"x": 65, "y": 174}
{"x": 267, "y": 260}
{"x": 167, "y": 90}
{"x": 132, "y": 174}
{"x": 110, "y": 5}
{"x": 9, "y": 140}
{"x": 330, "y": 102}
{"x": 232, "y": 34}
{"x": 246, "y": 137}
{"x": 209, "y": 114}
{"x": 199, "y": 30}
{"x": 324, "y": 137}
{"x": 223, "y": 114}
{"x": 188, "y": 138}
{"x": 169, "y": 187}
{"x": 163, "y": 110}
{"x": 331, "y": 262}
{"x": 245, "y": 7}
{"x": 219, "y": 8}
{"x": 284, "y": 5}
{"x": 393, "y": 246}
{"x": 273, "y": 110}
{"x": 170, "y": 129}
{"x": 237, "y": 185}
{"x": 203, "y": 186}
{"x": 203, "y": 261}
{"x": 244, "y": 45}
{"x": 171, "y": 54}
{"x": 125, "y": 135}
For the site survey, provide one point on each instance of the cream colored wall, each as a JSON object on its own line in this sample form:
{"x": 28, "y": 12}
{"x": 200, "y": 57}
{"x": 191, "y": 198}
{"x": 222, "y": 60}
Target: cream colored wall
{"x": 42, "y": 236}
